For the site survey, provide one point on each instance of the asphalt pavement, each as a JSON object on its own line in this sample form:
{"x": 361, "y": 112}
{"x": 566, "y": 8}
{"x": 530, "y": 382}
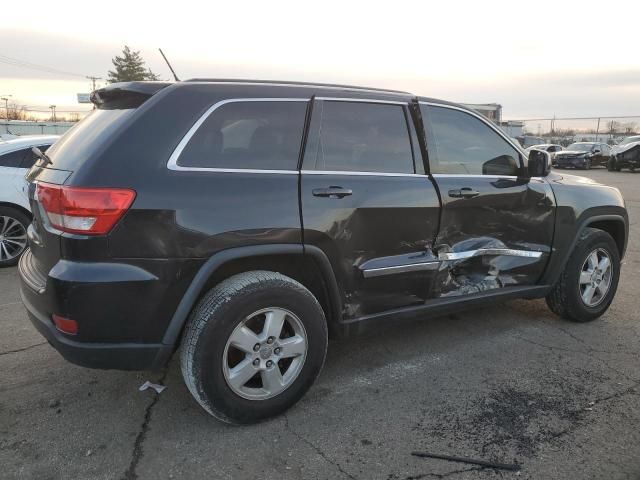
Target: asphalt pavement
{"x": 509, "y": 383}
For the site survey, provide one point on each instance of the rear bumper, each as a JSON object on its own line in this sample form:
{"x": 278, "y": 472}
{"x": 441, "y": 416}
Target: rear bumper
{"x": 119, "y": 356}
{"x": 61, "y": 296}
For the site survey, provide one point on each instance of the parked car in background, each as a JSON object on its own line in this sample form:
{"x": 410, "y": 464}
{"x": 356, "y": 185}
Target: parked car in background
{"x": 625, "y": 155}
{"x": 16, "y": 158}
{"x": 529, "y": 141}
{"x": 552, "y": 148}
{"x": 583, "y": 155}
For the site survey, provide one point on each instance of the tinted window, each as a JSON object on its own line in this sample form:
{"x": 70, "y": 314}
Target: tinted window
{"x": 255, "y": 135}
{"x": 361, "y": 137}
{"x": 459, "y": 143}
{"x": 30, "y": 158}
{"x": 13, "y": 159}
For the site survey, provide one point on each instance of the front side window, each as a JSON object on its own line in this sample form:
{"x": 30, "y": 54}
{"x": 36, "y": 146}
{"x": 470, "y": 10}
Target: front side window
{"x": 360, "y": 137}
{"x": 262, "y": 135}
{"x": 459, "y": 143}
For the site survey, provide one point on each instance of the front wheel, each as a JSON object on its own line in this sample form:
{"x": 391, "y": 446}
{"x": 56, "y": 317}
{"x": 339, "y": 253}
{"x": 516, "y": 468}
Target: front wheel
{"x": 253, "y": 346}
{"x": 611, "y": 164}
{"x": 589, "y": 281}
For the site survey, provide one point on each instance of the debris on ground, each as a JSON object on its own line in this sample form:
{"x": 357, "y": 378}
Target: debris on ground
{"x": 155, "y": 386}
{"x": 483, "y": 463}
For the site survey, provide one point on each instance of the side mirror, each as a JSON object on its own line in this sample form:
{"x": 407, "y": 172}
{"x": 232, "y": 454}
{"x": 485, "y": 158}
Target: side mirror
{"x": 596, "y": 151}
{"x": 539, "y": 164}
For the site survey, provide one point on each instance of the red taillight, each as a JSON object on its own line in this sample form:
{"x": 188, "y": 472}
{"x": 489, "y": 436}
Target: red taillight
{"x": 65, "y": 325}
{"x": 88, "y": 211}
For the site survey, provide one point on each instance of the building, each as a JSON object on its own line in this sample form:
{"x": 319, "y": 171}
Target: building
{"x": 493, "y": 111}
{"x": 513, "y": 128}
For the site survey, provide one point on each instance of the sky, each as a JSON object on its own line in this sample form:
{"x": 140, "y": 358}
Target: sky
{"x": 537, "y": 59}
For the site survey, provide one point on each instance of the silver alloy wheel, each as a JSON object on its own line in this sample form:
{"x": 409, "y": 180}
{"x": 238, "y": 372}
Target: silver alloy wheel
{"x": 13, "y": 238}
{"x": 264, "y": 354}
{"x": 595, "y": 277}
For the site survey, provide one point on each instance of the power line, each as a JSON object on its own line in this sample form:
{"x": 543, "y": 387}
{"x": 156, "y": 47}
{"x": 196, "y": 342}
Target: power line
{"x": 34, "y": 66}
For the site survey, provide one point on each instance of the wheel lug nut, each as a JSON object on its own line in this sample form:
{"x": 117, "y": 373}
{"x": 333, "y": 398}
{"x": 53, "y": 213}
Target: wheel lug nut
{"x": 269, "y": 364}
{"x": 256, "y": 362}
{"x": 270, "y": 340}
{"x": 256, "y": 347}
{"x": 277, "y": 350}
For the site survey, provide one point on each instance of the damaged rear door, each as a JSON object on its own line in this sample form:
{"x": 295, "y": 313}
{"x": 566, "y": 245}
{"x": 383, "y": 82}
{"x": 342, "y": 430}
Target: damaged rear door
{"x": 496, "y": 224}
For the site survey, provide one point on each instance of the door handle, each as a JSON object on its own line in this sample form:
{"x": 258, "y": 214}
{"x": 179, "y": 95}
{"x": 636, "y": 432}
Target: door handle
{"x": 332, "y": 192}
{"x": 464, "y": 192}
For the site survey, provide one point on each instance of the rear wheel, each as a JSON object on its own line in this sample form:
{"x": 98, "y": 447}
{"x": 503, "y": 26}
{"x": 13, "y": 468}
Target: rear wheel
{"x": 13, "y": 235}
{"x": 253, "y": 346}
{"x": 589, "y": 281}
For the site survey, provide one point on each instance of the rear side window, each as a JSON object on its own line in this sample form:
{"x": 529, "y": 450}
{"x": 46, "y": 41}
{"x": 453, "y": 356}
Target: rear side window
{"x": 30, "y": 158}
{"x": 264, "y": 135}
{"x": 360, "y": 137}
{"x": 459, "y": 143}
{"x": 13, "y": 159}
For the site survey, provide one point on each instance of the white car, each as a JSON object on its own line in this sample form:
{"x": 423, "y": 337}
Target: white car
{"x": 16, "y": 158}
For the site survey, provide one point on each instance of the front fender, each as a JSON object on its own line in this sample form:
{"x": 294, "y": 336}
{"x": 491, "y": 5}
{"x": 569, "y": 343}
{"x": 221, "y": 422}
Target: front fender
{"x": 581, "y": 202}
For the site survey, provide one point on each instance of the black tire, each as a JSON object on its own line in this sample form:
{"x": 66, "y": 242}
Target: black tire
{"x": 24, "y": 220}
{"x": 213, "y": 321}
{"x": 616, "y": 167}
{"x": 565, "y": 299}
{"x": 611, "y": 164}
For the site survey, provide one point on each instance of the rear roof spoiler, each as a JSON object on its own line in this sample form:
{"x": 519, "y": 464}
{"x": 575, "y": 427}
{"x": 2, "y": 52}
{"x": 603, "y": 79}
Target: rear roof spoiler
{"x": 126, "y": 94}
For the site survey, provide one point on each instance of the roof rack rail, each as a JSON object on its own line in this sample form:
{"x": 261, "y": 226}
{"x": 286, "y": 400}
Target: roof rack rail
{"x": 294, "y": 83}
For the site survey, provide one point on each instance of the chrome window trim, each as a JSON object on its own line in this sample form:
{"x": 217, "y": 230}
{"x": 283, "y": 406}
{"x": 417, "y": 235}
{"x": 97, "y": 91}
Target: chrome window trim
{"x": 473, "y": 175}
{"x": 488, "y": 251}
{"x": 172, "y": 163}
{"x": 412, "y": 267}
{"x": 371, "y": 174}
{"x": 482, "y": 119}
{"x": 361, "y": 100}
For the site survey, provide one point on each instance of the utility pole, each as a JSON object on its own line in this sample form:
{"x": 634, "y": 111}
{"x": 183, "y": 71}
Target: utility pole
{"x": 93, "y": 81}
{"x": 93, "y": 84}
{"x": 53, "y": 112}
{"x": 6, "y": 105}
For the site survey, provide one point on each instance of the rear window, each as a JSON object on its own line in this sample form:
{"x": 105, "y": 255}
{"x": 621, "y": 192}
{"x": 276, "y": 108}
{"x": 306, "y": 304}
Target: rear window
{"x": 264, "y": 135}
{"x": 80, "y": 142}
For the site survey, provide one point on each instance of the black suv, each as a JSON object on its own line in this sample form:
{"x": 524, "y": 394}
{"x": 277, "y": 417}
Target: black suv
{"x": 583, "y": 155}
{"x": 239, "y": 222}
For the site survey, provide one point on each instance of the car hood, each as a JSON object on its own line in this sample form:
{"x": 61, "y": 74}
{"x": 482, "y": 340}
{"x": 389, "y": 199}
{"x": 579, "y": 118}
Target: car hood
{"x": 624, "y": 148}
{"x": 583, "y": 192}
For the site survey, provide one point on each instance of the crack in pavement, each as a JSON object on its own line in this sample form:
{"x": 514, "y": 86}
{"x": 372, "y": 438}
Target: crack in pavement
{"x": 136, "y": 455}
{"x": 443, "y": 475}
{"x": 17, "y": 350}
{"x": 316, "y": 449}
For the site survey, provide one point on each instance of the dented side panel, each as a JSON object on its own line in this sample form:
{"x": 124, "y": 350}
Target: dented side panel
{"x": 509, "y": 226}
{"x": 386, "y": 222}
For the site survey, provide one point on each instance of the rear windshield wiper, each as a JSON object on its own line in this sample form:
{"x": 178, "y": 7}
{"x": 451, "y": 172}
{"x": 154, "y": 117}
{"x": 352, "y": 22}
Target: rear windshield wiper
{"x": 41, "y": 155}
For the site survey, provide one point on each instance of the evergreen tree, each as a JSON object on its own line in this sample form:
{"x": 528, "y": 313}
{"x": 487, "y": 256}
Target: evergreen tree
{"x": 130, "y": 67}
